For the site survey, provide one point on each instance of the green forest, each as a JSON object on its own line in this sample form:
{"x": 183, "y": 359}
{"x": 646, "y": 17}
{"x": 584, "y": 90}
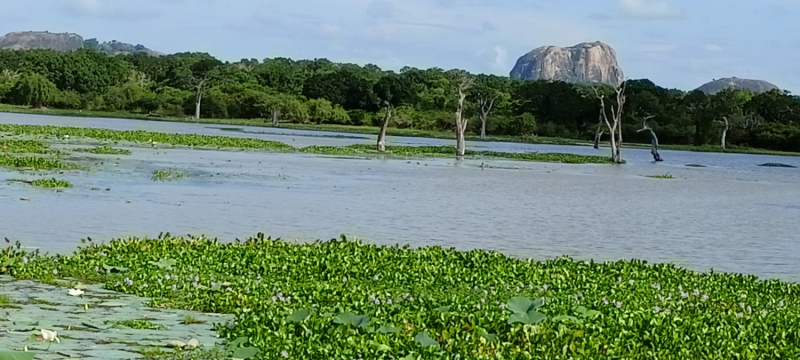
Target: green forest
{"x": 323, "y": 92}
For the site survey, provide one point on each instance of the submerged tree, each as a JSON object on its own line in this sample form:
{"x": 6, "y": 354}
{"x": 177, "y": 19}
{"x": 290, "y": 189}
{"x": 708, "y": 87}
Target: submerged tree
{"x": 615, "y": 124}
{"x": 390, "y": 91}
{"x": 462, "y": 81}
{"x": 653, "y": 138}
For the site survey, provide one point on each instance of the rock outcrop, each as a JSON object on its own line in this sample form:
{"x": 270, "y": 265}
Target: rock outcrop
{"x": 756, "y": 86}
{"x": 41, "y": 40}
{"x": 583, "y": 63}
{"x": 67, "y": 42}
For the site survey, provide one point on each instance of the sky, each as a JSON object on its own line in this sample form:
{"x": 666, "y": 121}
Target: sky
{"x": 675, "y": 43}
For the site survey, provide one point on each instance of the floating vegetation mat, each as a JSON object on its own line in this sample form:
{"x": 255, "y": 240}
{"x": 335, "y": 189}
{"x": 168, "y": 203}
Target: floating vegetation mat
{"x": 665, "y": 176}
{"x": 167, "y": 175}
{"x": 105, "y": 150}
{"x": 347, "y": 300}
{"x": 88, "y": 326}
{"x": 777, "y": 165}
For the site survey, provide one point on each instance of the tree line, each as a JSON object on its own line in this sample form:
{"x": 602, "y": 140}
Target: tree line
{"x": 323, "y": 92}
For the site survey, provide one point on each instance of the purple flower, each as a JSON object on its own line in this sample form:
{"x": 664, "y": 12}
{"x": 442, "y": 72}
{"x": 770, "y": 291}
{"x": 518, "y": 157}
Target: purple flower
{"x": 656, "y": 309}
{"x": 739, "y": 315}
{"x": 25, "y": 260}
{"x": 630, "y": 282}
{"x": 174, "y": 287}
{"x": 619, "y": 304}
{"x": 705, "y": 297}
{"x": 284, "y": 354}
{"x": 376, "y": 278}
{"x": 344, "y": 279}
{"x": 605, "y": 301}
{"x": 55, "y": 271}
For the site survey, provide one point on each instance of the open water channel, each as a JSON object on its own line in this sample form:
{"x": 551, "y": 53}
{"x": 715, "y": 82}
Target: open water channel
{"x": 731, "y": 215}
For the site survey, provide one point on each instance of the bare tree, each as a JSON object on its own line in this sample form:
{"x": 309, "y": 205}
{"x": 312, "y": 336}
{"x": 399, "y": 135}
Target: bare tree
{"x": 615, "y": 124}
{"x": 485, "y": 105}
{"x": 599, "y": 133}
{"x": 738, "y": 121}
{"x": 463, "y": 81}
{"x": 382, "y": 135}
{"x": 653, "y": 138}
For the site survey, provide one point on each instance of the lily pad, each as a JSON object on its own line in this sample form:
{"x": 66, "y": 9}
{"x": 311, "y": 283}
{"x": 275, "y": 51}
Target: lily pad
{"x": 348, "y": 318}
{"x": 16, "y": 355}
{"x": 521, "y": 305}
{"x": 164, "y": 264}
{"x": 387, "y": 330}
{"x": 245, "y": 353}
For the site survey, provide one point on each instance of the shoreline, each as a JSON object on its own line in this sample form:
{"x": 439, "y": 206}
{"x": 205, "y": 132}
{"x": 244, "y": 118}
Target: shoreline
{"x": 369, "y": 130}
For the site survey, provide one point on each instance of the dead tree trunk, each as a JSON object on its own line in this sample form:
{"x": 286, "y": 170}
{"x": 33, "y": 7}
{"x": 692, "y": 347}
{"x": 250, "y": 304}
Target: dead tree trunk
{"x": 464, "y": 82}
{"x": 599, "y": 133}
{"x": 484, "y": 107}
{"x": 382, "y": 134}
{"x": 198, "y": 98}
{"x": 276, "y": 117}
{"x": 726, "y": 126}
{"x": 615, "y": 124}
{"x": 653, "y": 139}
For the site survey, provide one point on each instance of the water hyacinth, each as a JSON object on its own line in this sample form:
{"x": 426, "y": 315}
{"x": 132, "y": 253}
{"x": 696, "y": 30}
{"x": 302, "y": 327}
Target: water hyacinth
{"x": 313, "y": 280}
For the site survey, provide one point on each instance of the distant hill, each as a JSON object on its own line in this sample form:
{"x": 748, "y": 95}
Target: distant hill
{"x": 756, "y": 86}
{"x": 67, "y": 42}
{"x": 593, "y": 62}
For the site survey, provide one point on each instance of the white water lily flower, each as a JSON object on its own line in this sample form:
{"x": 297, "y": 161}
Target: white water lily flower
{"x": 50, "y": 336}
{"x": 75, "y": 292}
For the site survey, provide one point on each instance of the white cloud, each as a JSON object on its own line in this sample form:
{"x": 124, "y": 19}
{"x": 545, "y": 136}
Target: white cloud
{"x": 331, "y": 30}
{"x": 713, "y": 47}
{"x": 648, "y": 9}
{"x": 501, "y": 58}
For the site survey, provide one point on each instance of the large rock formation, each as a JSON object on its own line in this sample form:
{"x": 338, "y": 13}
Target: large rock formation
{"x": 41, "y": 40}
{"x": 67, "y": 42}
{"x": 583, "y": 63}
{"x": 756, "y": 86}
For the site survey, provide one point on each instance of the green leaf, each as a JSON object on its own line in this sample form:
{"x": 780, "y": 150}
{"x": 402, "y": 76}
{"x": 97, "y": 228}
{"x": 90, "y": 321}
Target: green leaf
{"x": 424, "y": 340}
{"x": 388, "y": 330}
{"x": 490, "y": 337}
{"x": 531, "y": 317}
{"x": 238, "y": 342}
{"x": 408, "y": 357}
{"x": 443, "y": 309}
{"x": 16, "y": 355}
{"x": 164, "y": 264}
{"x": 245, "y": 353}
{"x": 521, "y": 305}
{"x": 349, "y": 318}
{"x": 299, "y": 316}
{"x": 378, "y": 346}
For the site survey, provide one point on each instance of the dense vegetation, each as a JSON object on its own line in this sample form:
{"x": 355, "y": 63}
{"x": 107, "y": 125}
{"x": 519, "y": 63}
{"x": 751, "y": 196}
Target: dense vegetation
{"x": 323, "y": 92}
{"x": 347, "y": 300}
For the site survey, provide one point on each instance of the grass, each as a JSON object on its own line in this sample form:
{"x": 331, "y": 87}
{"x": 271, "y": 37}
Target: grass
{"x": 105, "y": 150}
{"x": 5, "y": 300}
{"x": 167, "y": 175}
{"x": 341, "y": 299}
{"x": 140, "y": 324}
{"x": 23, "y": 147}
{"x": 665, "y": 176}
{"x": 372, "y": 130}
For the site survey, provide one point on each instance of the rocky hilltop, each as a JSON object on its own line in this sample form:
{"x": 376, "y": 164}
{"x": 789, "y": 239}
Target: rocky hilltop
{"x": 583, "y": 63}
{"x": 41, "y": 40}
{"x": 756, "y": 86}
{"x": 67, "y": 42}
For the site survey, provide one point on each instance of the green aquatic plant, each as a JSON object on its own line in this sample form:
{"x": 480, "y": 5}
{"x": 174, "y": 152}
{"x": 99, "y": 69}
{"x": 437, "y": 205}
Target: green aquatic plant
{"x": 51, "y": 183}
{"x": 145, "y": 137}
{"x": 665, "y": 176}
{"x": 23, "y": 147}
{"x": 105, "y": 150}
{"x": 136, "y": 324}
{"x": 449, "y": 151}
{"x": 167, "y": 175}
{"x": 299, "y": 300}
{"x": 190, "y": 320}
{"x": 32, "y": 162}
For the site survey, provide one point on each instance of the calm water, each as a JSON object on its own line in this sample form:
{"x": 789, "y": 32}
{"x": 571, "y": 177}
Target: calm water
{"x": 731, "y": 215}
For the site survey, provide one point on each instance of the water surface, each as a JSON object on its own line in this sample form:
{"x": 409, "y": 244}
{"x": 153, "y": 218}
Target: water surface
{"x": 730, "y": 216}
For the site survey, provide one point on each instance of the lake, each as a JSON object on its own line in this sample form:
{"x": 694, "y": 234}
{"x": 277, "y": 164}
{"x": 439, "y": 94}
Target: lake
{"x": 731, "y": 215}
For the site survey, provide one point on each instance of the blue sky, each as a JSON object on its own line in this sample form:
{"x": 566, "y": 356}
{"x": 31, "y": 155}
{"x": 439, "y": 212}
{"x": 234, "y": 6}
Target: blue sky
{"x": 676, "y": 43}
